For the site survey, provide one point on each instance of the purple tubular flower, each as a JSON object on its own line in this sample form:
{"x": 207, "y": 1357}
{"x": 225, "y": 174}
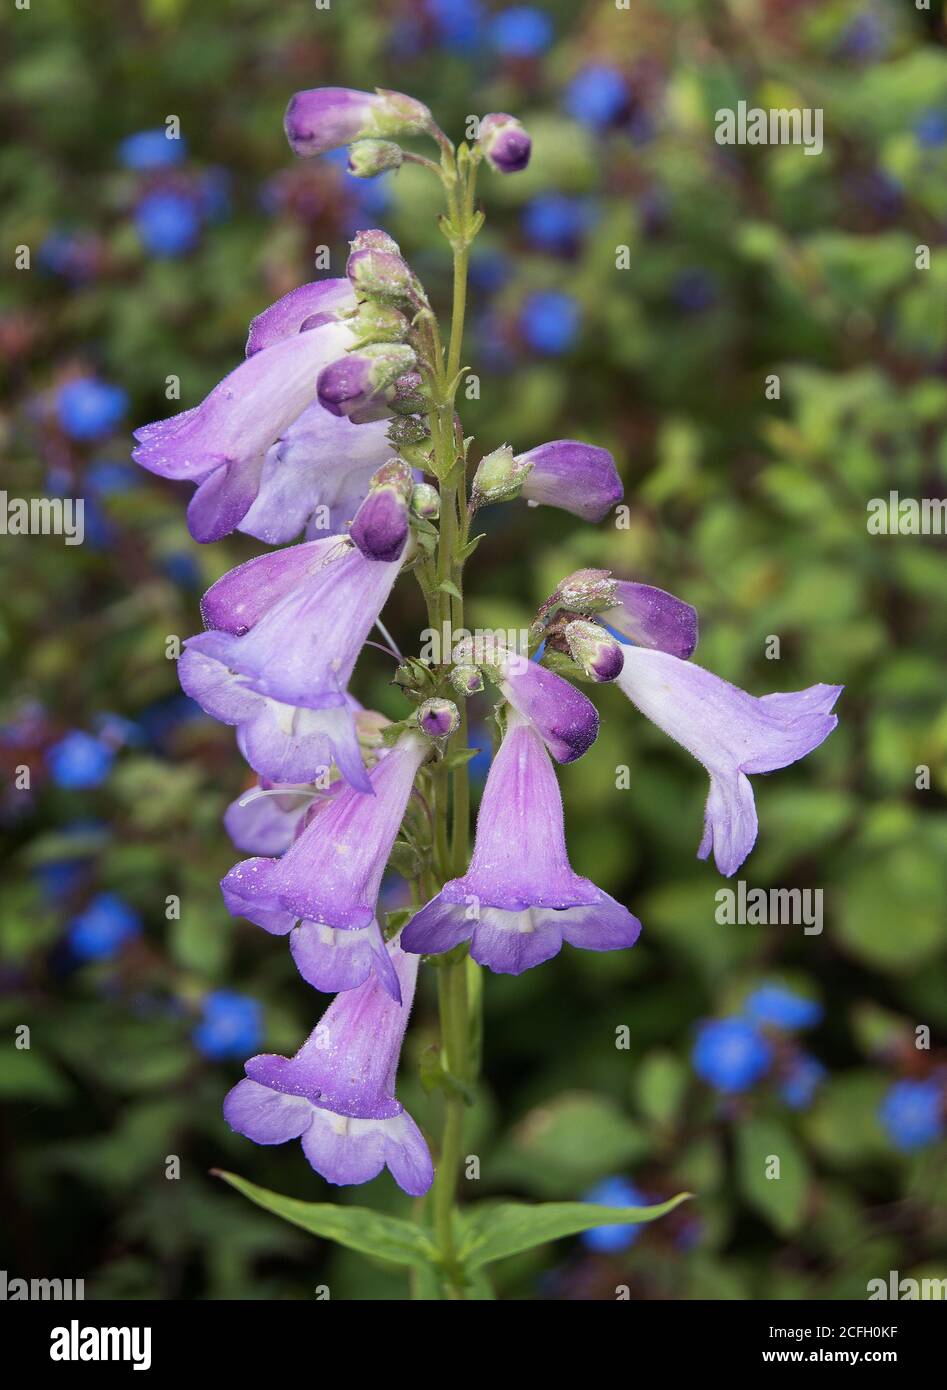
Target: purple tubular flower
{"x": 325, "y": 118}
{"x": 653, "y": 618}
{"x": 504, "y": 142}
{"x": 578, "y": 478}
{"x": 287, "y": 628}
{"x": 338, "y": 1093}
{"x": 324, "y": 890}
{"x": 222, "y": 443}
{"x": 566, "y": 720}
{"x": 520, "y": 899}
{"x": 731, "y": 733}
{"x": 266, "y": 819}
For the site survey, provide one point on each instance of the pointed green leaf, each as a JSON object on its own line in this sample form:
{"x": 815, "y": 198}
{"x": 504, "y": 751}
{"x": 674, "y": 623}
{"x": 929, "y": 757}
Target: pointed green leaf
{"x": 357, "y": 1228}
{"x": 450, "y": 588}
{"x": 500, "y": 1229}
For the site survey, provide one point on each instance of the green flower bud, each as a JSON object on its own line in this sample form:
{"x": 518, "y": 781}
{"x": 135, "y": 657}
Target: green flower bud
{"x": 370, "y": 157}
{"x": 499, "y": 477}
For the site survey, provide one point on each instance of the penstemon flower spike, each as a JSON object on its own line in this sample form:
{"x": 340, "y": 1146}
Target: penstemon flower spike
{"x": 341, "y": 427}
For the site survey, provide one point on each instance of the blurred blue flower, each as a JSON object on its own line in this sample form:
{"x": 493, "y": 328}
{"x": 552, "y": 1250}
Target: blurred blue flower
{"x": 912, "y": 1113}
{"x": 802, "y": 1080}
{"x": 232, "y": 1025}
{"x": 930, "y": 129}
{"x": 88, "y": 408}
{"x": 730, "y": 1054}
{"x": 151, "y": 149}
{"x": 58, "y": 877}
{"x": 73, "y": 255}
{"x": 168, "y": 223}
{"x": 106, "y": 924}
{"x": 613, "y": 1192}
{"x": 182, "y": 569}
{"x": 865, "y": 38}
{"x": 598, "y": 95}
{"x": 549, "y": 321}
{"x": 457, "y": 23}
{"x": 694, "y": 290}
{"x": 112, "y": 476}
{"x": 781, "y": 1008}
{"x": 214, "y": 192}
{"x": 78, "y": 761}
{"x": 489, "y": 270}
{"x": 164, "y": 717}
{"x": 556, "y": 221}
{"x": 521, "y": 32}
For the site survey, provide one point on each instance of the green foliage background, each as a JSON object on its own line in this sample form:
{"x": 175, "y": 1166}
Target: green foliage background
{"x": 752, "y": 509}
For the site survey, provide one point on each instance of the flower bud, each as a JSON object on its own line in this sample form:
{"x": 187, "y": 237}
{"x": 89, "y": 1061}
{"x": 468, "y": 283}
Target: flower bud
{"x": 425, "y": 501}
{"x": 594, "y": 649}
{"x": 504, "y": 142}
{"x": 370, "y": 157}
{"x": 499, "y": 477}
{"x": 324, "y": 118}
{"x": 407, "y": 429}
{"x": 380, "y": 274}
{"x": 378, "y": 323}
{"x": 438, "y": 717}
{"x": 585, "y": 591}
{"x": 380, "y": 526}
{"x": 466, "y": 680}
{"x": 408, "y": 398}
{"x": 358, "y": 382}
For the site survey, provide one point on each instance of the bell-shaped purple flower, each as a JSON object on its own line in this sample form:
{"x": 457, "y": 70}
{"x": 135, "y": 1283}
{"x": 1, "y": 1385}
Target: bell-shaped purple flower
{"x": 520, "y": 898}
{"x": 324, "y": 890}
{"x": 286, "y": 631}
{"x": 222, "y": 443}
{"x": 338, "y": 1093}
{"x": 731, "y": 733}
{"x": 566, "y": 719}
{"x": 578, "y": 478}
{"x": 505, "y": 143}
{"x": 325, "y": 118}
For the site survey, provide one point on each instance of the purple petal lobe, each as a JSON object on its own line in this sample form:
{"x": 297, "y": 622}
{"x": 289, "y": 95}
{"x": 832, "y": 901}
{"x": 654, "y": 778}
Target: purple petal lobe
{"x": 579, "y": 478}
{"x": 653, "y": 618}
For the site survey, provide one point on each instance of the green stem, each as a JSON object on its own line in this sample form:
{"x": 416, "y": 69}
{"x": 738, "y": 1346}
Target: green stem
{"x": 451, "y": 837}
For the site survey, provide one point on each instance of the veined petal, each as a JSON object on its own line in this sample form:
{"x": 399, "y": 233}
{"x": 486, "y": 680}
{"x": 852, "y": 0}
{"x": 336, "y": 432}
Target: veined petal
{"x": 333, "y": 960}
{"x": 731, "y": 733}
{"x": 240, "y": 598}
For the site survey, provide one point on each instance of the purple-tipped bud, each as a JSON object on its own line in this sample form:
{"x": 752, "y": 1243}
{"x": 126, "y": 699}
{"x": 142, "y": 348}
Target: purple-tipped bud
{"x": 504, "y": 142}
{"x": 377, "y": 274}
{"x": 370, "y": 157}
{"x": 467, "y": 680}
{"x": 358, "y": 382}
{"x": 499, "y": 477}
{"x": 380, "y": 527}
{"x": 438, "y": 718}
{"x": 425, "y": 501}
{"x": 592, "y": 648}
{"x": 378, "y": 323}
{"x": 324, "y": 118}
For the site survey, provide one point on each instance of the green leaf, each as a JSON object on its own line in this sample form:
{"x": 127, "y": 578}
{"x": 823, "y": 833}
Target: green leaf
{"x": 781, "y": 1200}
{"x": 357, "y": 1228}
{"x": 495, "y": 1231}
{"x": 448, "y": 587}
{"x": 460, "y": 757}
{"x": 467, "y": 550}
{"x": 435, "y": 1077}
